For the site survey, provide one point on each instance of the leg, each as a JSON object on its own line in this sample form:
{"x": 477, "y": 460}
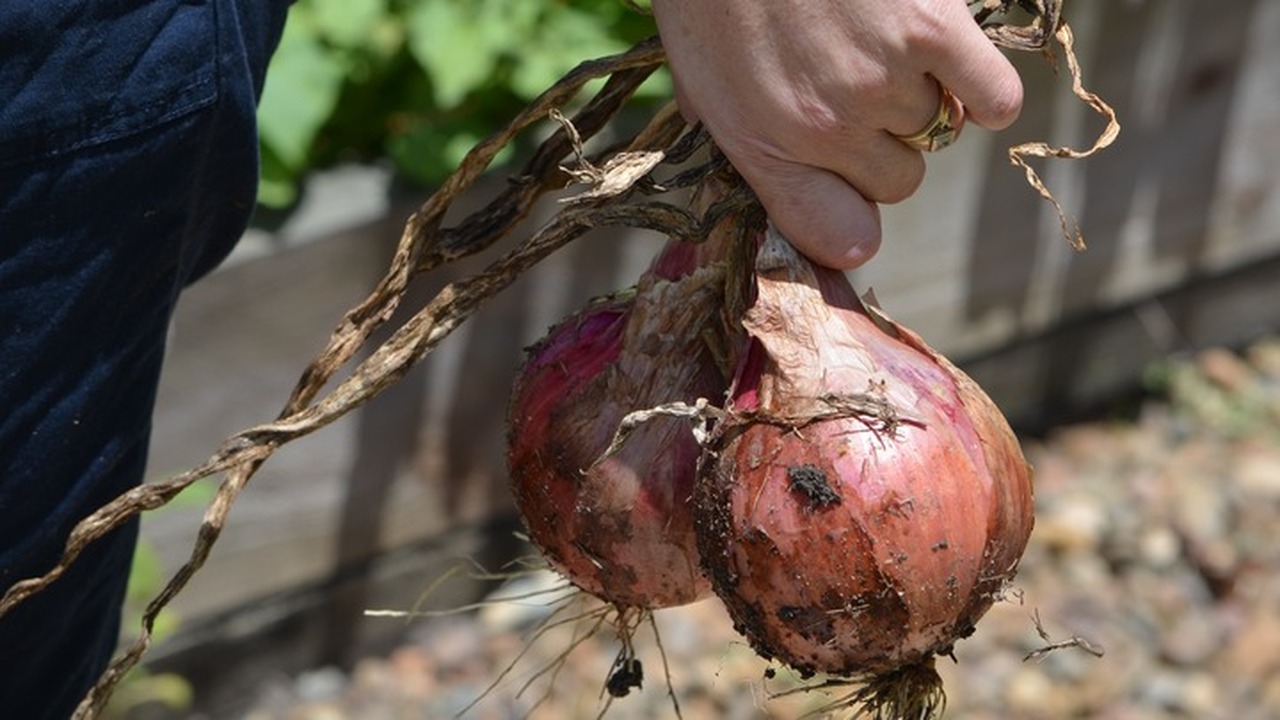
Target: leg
{"x": 128, "y": 167}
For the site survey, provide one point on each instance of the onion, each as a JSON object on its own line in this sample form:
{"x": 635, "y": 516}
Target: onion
{"x": 864, "y": 502}
{"x": 620, "y": 526}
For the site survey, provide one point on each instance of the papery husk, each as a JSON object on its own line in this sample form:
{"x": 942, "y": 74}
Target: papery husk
{"x": 864, "y": 502}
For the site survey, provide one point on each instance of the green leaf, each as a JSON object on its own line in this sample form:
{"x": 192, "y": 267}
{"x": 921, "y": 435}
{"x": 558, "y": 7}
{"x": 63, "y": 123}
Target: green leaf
{"x": 460, "y": 43}
{"x": 145, "y": 575}
{"x": 196, "y": 495}
{"x": 302, "y": 89}
{"x": 419, "y": 79}
{"x": 427, "y": 153}
{"x": 386, "y": 38}
{"x": 447, "y": 41}
{"x": 566, "y": 37}
{"x": 659, "y": 86}
{"x": 140, "y": 691}
{"x": 347, "y": 23}
{"x": 277, "y": 184}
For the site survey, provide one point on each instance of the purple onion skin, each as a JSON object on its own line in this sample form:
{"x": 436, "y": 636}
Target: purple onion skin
{"x": 620, "y": 528}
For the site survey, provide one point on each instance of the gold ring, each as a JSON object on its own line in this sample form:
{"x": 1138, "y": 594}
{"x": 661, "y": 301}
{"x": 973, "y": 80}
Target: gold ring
{"x": 942, "y": 130}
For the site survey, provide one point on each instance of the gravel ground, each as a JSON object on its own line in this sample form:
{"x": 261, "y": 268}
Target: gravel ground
{"x": 1157, "y": 543}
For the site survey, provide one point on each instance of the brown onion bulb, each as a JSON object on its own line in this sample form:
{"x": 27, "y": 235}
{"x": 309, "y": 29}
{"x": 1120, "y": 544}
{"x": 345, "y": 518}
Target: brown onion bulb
{"x": 619, "y": 527}
{"x": 864, "y": 502}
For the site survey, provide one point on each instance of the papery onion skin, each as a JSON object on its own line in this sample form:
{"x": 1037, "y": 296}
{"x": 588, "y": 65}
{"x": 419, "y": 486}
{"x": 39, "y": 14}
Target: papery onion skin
{"x": 865, "y": 502}
{"x": 621, "y": 527}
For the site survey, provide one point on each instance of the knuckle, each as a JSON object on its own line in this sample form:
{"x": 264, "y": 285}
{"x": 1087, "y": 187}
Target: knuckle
{"x": 899, "y": 185}
{"x": 1006, "y": 102}
{"x": 815, "y": 119}
{"x": 929, "y": 32}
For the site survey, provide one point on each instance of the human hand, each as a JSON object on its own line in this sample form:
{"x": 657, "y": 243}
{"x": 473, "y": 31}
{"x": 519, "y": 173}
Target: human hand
{"x": 805, "y": 97}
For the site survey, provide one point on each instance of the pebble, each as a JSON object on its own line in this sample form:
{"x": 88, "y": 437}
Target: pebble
{"x": 1227, "y": 370}
{"x": 537, "y": 592}
{"x": 1192, "y": 640}
{"x": 1029, "y": 693}
{"x": 1254, "y": 649}
{"x": 1160, "y": 547}
{"x": 1264, "y": 356}
{"x": 1269, "y": 695}
{"x": 320, "y": 685}
{"x": 1163, "y": 688}
{"x": 1072, "y": 524}
{"x": 1257, "y": 472}
{"x": 1200, "y": 696}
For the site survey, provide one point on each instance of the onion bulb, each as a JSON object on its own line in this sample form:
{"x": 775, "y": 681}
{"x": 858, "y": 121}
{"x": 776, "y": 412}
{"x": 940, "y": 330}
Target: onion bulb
{"x": 863, "y": 502}
{"x": 620, "y": 526}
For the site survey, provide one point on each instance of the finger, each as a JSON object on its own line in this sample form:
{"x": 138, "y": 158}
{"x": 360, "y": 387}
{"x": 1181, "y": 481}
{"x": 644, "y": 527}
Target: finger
{"x": 878, "y": 165}
{"x": 942, "y": 129}
{"x": 871, "y": 158}
{"x": 687, "y": 110}
{"x": 975, "y": 70}
{"x": 918, "y": 97}
{"x": 820, "y": 213}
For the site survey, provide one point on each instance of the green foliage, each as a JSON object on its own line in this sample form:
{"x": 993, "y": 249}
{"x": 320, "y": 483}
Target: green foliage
{"x": 417, "y": 82}
{"x": 1235, "y": 396}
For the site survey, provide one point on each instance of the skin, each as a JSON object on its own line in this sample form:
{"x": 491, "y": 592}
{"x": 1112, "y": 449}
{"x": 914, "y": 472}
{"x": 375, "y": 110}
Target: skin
{"x": 805, "y": 97}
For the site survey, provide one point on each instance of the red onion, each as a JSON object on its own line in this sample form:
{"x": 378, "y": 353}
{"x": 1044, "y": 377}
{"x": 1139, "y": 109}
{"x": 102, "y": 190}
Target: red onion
{"x": 620, "y": 527}
{"x": 864, "y": 502}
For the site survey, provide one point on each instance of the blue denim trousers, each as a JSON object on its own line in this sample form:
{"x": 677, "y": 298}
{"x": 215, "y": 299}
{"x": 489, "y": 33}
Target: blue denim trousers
{"x": 128, "y": 168}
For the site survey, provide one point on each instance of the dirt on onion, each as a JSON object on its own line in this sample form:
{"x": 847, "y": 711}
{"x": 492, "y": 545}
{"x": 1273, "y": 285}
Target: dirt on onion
{"x": 863, "y": 502}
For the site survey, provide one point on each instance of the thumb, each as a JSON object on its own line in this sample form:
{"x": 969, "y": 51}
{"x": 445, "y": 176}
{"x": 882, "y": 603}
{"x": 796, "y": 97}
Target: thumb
{"x": 819, "y": 213}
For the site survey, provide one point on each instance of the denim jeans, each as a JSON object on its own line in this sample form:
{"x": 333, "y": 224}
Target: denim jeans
{"x": 128, "y": 168}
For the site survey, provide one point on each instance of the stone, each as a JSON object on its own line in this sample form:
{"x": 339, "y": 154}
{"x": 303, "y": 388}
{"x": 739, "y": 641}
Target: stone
{"x": 1226, "y": 370}
{"x": 1193, "y": 638}
{"x": 1256, "y": 469}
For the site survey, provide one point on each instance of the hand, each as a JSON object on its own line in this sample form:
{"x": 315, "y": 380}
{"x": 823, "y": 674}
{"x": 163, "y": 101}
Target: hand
{"x": 805, "y": 97}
